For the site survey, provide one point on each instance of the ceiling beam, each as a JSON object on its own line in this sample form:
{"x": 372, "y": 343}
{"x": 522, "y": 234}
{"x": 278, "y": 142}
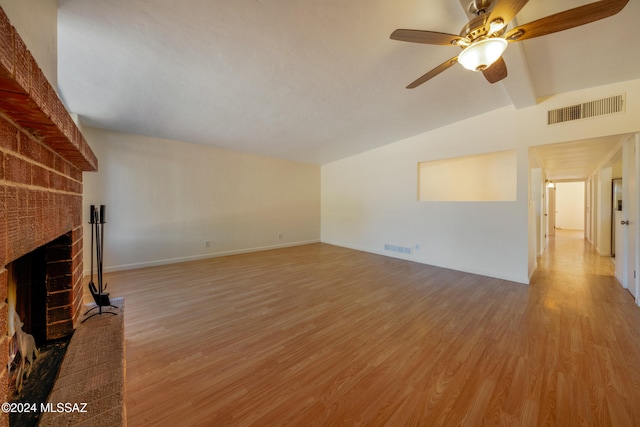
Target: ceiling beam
{"x": 518, "y": 84}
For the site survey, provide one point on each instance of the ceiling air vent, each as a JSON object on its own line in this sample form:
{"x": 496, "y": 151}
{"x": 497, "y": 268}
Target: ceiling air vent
{"x": 599, "y": 107}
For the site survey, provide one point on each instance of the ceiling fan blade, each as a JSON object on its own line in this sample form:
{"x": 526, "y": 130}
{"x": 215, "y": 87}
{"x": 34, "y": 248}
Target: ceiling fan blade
{"x": 431, "y": 74}
{"x": 426, "y": 37}
{"x": 568, "y": 19}
{"x": 506, "y": 10}
{"x": 496, "y": 72}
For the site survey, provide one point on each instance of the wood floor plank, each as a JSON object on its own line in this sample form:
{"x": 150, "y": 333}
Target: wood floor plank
{"x": 322, "y": 335}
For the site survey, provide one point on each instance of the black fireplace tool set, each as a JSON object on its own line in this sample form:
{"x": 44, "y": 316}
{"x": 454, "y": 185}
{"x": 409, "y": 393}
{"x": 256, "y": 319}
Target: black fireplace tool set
{"x": 101, "y": 298}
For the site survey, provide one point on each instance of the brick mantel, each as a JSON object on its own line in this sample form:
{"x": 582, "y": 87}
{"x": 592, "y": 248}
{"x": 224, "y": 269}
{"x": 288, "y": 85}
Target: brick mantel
{"x": 42, "y": 157}
{"x": 27, "y": 97}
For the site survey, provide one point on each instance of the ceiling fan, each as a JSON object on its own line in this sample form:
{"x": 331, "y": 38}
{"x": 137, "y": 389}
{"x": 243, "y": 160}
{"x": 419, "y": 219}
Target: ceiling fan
{"x": 485, "y": 37}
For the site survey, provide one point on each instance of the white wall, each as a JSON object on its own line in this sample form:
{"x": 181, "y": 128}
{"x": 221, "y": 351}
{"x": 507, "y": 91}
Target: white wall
{"x": 570, "y": 205}
{"x": 370, "y": 200}
{"x": 165, "y": 199}
{"x": 536, "y": 196}
{"x": 39, "y": 31}
{"x": 616, "y": 170}
{"x": 533, "y": 231}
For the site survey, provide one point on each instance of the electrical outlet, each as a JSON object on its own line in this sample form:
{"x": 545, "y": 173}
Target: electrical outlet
{"x": 207, "y": 244}
{"x": 279, "y": 236}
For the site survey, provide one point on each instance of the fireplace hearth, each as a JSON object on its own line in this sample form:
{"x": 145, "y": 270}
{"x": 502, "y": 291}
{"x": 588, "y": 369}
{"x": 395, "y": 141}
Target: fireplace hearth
{"x": 42, "y": 158}
{"x": 37, "y": 387}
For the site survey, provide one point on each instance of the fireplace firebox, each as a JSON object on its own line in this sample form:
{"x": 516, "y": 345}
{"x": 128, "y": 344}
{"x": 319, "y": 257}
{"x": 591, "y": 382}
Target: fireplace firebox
{"x": 40, "y": 290}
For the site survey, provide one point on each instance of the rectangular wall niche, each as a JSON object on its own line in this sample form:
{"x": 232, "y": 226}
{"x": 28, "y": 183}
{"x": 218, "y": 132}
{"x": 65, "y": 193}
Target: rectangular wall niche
{"x": 479, "y": 178}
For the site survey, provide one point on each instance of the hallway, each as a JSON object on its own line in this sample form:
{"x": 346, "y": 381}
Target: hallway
{"x": 570, "y": 252}
{"x": 588, "y": 324}
{"x": 572, "y": 275}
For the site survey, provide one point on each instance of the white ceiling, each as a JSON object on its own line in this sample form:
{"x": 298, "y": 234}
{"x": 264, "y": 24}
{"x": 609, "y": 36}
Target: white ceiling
{"x": 308, "y": 81}
{"x": 574, "y": 161}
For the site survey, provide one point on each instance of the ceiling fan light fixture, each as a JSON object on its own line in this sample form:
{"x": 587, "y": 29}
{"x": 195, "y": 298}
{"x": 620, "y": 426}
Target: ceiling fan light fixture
{"x": 481, "y": 54}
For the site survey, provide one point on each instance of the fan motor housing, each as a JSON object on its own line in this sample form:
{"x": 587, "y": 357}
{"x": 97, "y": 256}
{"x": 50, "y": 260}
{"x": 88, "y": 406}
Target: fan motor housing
{"x": 475, "y": 28}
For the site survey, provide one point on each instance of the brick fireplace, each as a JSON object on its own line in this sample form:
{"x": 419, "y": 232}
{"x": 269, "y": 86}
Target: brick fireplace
{"x": 42, "y": 157}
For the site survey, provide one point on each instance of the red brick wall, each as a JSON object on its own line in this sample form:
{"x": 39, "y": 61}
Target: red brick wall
{"x": 40, "y": 200}
{"x": 42, "y": 157}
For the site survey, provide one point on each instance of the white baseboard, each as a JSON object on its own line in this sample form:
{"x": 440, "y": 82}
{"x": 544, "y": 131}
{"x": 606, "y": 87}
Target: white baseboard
{"x": 156, "y": 263}
{"x": 619, "y": 279}
{"x": 523, "y": 280}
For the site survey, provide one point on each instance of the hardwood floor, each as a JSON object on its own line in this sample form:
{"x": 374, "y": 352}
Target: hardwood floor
{"x": 322, "y": 335}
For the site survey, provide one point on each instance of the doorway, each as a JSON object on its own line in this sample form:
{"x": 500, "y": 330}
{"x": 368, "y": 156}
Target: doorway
{"x": 570, "y": 206}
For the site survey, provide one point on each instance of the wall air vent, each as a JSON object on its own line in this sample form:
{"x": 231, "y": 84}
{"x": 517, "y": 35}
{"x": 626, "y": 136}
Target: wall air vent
{"x": 599, "y": 107}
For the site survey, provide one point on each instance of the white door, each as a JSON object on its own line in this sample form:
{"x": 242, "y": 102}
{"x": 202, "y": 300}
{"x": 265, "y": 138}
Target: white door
{"x": 629, "y": 200}
{"x": 619, "y": 249}
{"x": 636, "y": 272}
{"x": 587, "y": 211}
{"x": 551, "y": 211}
{"x": 634, "y": 224}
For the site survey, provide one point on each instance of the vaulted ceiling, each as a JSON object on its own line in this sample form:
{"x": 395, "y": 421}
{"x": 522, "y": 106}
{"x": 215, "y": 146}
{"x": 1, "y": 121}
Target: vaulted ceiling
{"x": 308, "y": 81}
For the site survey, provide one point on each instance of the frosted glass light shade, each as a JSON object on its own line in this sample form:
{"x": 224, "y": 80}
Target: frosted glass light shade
{"x": 480, "y": 55}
